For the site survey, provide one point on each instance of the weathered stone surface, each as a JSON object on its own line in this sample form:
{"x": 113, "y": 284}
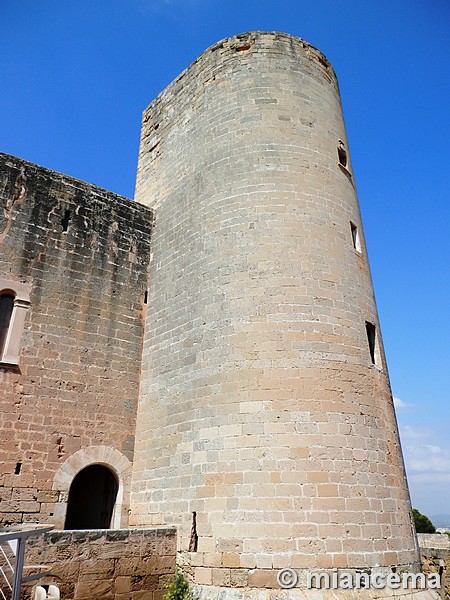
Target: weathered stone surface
{"x": 106, "y": 565}
{"x": 84, "y": 252}
{"x": 435, "y": 555}
{"x": 262, "y": 408}
{"x": 217, "y": 593}
{"x": 434, "y": 540}
{"x": 47, "y": 496}
{"x": 98, "y": 589}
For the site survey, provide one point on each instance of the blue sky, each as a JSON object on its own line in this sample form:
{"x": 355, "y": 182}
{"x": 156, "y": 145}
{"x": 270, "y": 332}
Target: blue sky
{"x": 76, "y": 76}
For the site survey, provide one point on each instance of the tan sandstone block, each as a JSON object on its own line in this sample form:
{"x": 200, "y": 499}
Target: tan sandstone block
{"x": 203, "y": 576}
{"x": 262, "y": 579}
{"x": 231, "y": 560}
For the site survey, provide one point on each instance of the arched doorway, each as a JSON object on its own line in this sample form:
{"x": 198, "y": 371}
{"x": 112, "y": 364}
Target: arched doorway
{"x": 92, "y": 497}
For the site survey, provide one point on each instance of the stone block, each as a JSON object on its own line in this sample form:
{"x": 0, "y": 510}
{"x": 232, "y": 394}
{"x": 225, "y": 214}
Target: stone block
{"x": 98, "y": 589}
{"x": 221, "y": 577}
{"x": 262, "y": 579}
{"x": 231, "y": 560}
{"x": 203, "y": 576}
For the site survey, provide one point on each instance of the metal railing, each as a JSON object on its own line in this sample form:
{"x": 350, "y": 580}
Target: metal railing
{"x": 11, "y": 567}
{"x": 6, "y": 570}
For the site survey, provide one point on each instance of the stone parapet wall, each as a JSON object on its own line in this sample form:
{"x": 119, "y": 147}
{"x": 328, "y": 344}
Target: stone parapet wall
{"x": 435, "y": 555}
{"x": 439, "y": 541}
{"x": 105, "y": 564}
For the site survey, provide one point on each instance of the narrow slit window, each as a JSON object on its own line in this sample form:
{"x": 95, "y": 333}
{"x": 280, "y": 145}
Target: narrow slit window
{"x": 371, "y": 338}
{"x": 66, "y": 220}
{"x": 6, "y": 310}
{"x": 342, "y": 154}
{"x": 355, "y": 237}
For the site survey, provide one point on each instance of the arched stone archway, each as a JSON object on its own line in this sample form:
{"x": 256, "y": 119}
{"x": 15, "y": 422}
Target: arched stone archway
{"x": 105, "y": 456}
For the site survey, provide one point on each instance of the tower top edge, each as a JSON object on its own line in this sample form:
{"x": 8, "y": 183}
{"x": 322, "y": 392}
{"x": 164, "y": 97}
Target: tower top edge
{"x": 258, "y": 34}
{"x": 242, "y": 43}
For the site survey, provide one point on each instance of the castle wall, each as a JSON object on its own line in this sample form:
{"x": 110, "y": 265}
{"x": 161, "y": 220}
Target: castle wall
{"x": 112, "y": 565}
{"x": 263, "y": 408}
{"x": 435, "y": 556}
{"x": 77, "y": 255}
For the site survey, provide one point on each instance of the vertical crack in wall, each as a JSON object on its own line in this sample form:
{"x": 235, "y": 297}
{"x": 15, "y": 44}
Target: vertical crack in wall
{"x": 193, "y": 542}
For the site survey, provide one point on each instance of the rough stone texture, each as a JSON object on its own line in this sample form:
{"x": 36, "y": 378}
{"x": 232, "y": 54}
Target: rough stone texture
{"x": 106, "y": 565}
{"x": 214, "y": 593}
{"x": 76, "y": 386}
{"x": 260, "y": 407}
{"x": 434, "y": 540}
{"x": 435, "y": 554}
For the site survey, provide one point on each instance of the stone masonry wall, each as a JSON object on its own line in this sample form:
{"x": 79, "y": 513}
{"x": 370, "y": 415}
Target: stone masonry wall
{"x": 435, "y": 555}
{"x": 261, "y": 408}
{"x": 71, "y": 400}
{"x": 106, "y": 565}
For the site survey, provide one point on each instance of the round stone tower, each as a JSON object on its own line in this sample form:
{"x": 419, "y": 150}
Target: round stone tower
{"x": 266, "y": 429}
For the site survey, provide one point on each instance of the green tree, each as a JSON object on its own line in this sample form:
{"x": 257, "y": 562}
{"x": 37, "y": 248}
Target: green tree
{"x": 422, "y": 523}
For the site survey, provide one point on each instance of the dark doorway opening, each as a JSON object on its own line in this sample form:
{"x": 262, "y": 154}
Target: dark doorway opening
{"x": 92, "y": 497}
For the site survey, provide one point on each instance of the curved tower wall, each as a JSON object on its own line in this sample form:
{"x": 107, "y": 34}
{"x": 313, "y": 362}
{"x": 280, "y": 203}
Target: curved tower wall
{"x": 261, "y": 409}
